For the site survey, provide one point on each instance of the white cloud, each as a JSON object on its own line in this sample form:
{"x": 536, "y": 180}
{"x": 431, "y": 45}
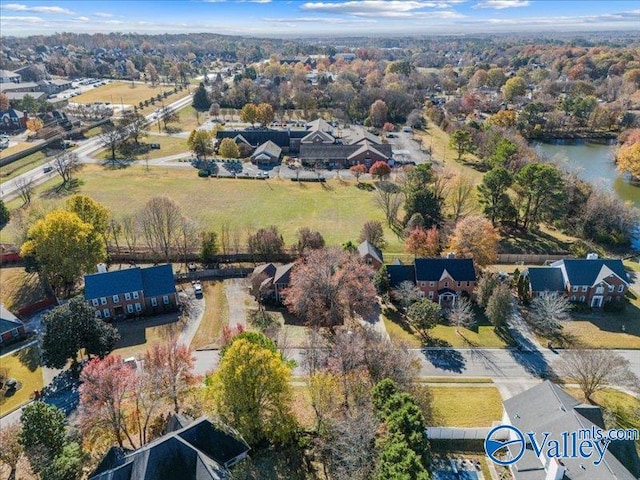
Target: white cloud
{"x": 103, "y": 15}
{"x": 81, "y": 19}
{"x": 327, "y": 20}
{"x": 22, "y": 19}
{"x": 19, "y": 7}
{"x": 382, "y": 8}
{"x": 501, "y": 4}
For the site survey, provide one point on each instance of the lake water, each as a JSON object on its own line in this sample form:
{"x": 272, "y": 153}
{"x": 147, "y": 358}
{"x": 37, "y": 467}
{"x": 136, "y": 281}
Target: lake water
{"x": 593, "y": 162}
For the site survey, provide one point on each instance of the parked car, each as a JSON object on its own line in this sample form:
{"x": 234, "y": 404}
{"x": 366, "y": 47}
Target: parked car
{"x": 197, "y": 288}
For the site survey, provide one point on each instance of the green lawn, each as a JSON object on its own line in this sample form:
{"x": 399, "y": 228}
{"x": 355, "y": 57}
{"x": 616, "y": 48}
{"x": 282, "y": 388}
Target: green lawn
{"x": 16, "y": 148}
{"x": 216, "y": 315}
{"x": 24, "y": 366}
{"x": 23, "y": 165}
{"x": 336, "y": 209}
{"x": 136, "y": 336}
{"x": 20, "y": 289}
{"x": 465, "y": 406}
{"x": 121, "y": 92}
{"x": 168, "y": 146}
{"x": 188, "y": 120}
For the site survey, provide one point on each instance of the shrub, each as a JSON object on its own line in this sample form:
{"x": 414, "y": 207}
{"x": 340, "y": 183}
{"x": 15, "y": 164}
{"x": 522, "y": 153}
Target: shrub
{"x": 615, "y": 307}
{"x": 203, "y": 173}
{"x": 581, "y": 307}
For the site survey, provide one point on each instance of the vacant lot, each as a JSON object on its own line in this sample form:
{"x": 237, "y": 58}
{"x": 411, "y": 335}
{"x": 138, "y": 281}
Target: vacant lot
{"x": 337, "y": 209}
{"x": 19, "y": 288}
{"x": 168, "y": 146}
{"x": 216, "y": 315}
{"x": 121, "y": 92}
{"x": 465, "y": 406}
{"x": 24, "y": 366}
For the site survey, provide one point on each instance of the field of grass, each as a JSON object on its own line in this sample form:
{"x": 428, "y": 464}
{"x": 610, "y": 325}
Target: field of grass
{"x": 188, "y": 120}
{"x": 465, "y": 406}
{"x": 336, "y": 209}
{"x": 216, "y": 315}
{"x": 121, "y": 92}
{"x": 19, "y": 288}
{"x": 15, "y": 149}
{"x": 24, "y": 366}
{"x": 21, "y": 166}
{"x": 136, "y": 336}
{"x": 168, "y": 146}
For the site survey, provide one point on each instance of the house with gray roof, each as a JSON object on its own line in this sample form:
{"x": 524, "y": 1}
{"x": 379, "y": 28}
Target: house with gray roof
{"x": 131, "y": 292}
{"x": 547, "y": 408}
{"x": 370, "y": 254}
{"x": 593, "y": 280}
{"x": 11, "y": 327}
{"x": 268, "y": 153}
{"x": 7, "y": 76}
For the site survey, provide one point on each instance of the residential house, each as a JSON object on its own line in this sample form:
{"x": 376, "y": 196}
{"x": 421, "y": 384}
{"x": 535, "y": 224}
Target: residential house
{"x": 276, "y": 280}
{"x": 267, "y": 154}
{"x": 442, "y": 280}
{"x": 593, "y": 281}
{"x": 9, "y": 77}
{"x": 198, "y": 450}
{"x": 370, "y": 255}
{"x": 11, "y": 327}
{"x": 12, "y": 120}
{"x": 548, "y": 408}
{"x": 281, "y": 280}
{"x": 131, "y": 292}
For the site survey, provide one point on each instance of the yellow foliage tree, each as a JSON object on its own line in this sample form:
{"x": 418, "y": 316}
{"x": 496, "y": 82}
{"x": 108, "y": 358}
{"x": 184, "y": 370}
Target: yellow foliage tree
{"x": 264, "y": 114}
{"x": 251, "y": 391}
{"x": 504, "y": 119}
{"x": 228, "y": 148}
{"x": 61, "y": 248}
{"x": 34, "y": 124}
{"x": 475, "y": 237}
{"x": 90, "y": 211}
{"x": 249, "y": 113}
{"x": 629, "y": 159}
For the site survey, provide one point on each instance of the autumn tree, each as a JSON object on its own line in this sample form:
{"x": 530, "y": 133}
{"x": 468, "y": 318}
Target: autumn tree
{"x": 251, "y": 392}
{"x": 72, "y": 327}
{"x": 90, "y": 212}
{"x": 199, "y": 142}
{"x": 475, "y": 237}
{"x": 12, "y": 450}
{"x": 228, "y": 148}
{"x": 171, "y": 365}
{"x": 34, "y": 124}
{"x": 264, "y": 114}
{"x": 595, "y": 370}
{"x": 503, "y": 119}
{"x": 423, "y": 243}
{"x": 492, "y": 193}
{"x": 378, "y": 113}
{"x": 423, "y": 316}
{"x": 160, "y": 221}
{"x": 628, "y": 159}
{"x": 64, "y": 248}
{"x": 249, "y": 113}
{"x": 514, "y": 87}
{"x": 358, "y": 170}
{"x": 43, "y": 433}
{"x": 151, "y": 74}
{"x": 329, "y": 287}
{"x": 373, "y": 233}
{"x": 266, "y": 241}
{"x": 308, "y": 240}
{"x": 380, "y": 169}
{"x": 462, "y": 143}
{"x": 499, "y": 305}
{"x": 4, "y": 102}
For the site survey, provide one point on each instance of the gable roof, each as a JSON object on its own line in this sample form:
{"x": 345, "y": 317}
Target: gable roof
{"x": 548, "y": 408}
{"x": 362, "y": 136}
{"x": 588, "y": 272}
{"x": 431, "y": 269}
{"x": 546, "y": 279}
{"x": 337, "y": 152}
{"x": 258, "y": 136}
{"x": 269, "y": 148}
{"x": 366, "y": 248}
{"x": 400, "y": 273}
{"x": 198, "y": 451}
{"x": 154, "y": 281}
{"x": 318, "y": 136}
{"x": 283, "y": 274}
{"x": 8, "y": 321}
{"x": 319, "y": 124}
{"x": 269, "y": 269}
{"x": 366, "y": 147}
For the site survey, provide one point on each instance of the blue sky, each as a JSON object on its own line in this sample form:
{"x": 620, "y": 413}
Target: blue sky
{"x": 316, "y": 17}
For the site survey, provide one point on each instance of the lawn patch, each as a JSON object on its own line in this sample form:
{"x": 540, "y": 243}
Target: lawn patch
{"x": 465, "y": 406}
{"x": 137, "y": 336}
{"x": 20, "y": 289}
{"x": 24, "y": 366}
{"x": 215, "y": 316}
{"x": 122, "y": 92}
{"x": 13, "y": 169}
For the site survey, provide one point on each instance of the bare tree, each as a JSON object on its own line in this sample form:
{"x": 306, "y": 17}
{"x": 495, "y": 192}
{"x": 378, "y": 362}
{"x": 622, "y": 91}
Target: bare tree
{"x": 389, "y": 199}
{"x": 549, "y": 312}
{"x": 24, "y": 186}
{"x": 406, "y": 293}
{"x": 461, "y": 196}
{"x": 111, "y": 137}
{"x": 225, "y": 245}
{"x": 65, "y": 165}
{"x": 11, "y": 450}
{"x": 114, "y": 229}
{"x": 373, "y": 233}
{"x": 132, "y": 125}
{"x": 188, "y": 238}
{"x": 594, "y": 370}
{"x": 461, "y": 314}
{"x": 161, "y": 221}
{"x": 130, "y": 231}
{"x": 236, "y": 238}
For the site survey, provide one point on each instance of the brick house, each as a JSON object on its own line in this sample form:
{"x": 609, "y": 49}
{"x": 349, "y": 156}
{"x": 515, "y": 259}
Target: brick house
{"x": 370, "y": 255}
{"x": 11, "y": 327}
{"x": 592, "y": 280}
{"x": 442, "y": 280}
{"x": 131, "y": 292}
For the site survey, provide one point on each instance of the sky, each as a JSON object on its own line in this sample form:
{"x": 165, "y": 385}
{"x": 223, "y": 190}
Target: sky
{"x": 286, "y": 18}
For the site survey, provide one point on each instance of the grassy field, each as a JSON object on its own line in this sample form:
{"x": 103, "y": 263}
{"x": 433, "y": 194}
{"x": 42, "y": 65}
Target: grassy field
{"x": 121, "y": 92}
{"x": 23, "y": 165}
{"x": 336, "y": 209}
{"x": 15, "y": 149}
{"x": 24, "y": 366}
{"x": 216, "y": 315}
{"x": 188, "y": 120}
{"x": 483, "y": 336}
{"x": 168, "y": 146}
{"x": 465, "y": 406}
{"x": 136, "y": 336}
{"x": 19, "y": 288}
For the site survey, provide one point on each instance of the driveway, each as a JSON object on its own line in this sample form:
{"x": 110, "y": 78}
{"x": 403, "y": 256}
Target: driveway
{"x": 236, "y": 291}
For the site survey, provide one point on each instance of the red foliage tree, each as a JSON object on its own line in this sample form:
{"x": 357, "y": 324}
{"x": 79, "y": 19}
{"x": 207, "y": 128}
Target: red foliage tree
{"x": 330, "y": 286}
{"x": 171, "y": 365}
{"x": 423, "y": 243}
{"x": 388, "y": 127}
{"x": 380, "y": 169}
{"x": 358, "y": 170}
{"x": 229, "y": 332}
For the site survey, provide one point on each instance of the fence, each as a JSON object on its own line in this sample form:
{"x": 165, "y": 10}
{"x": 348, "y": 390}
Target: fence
{"x": 34, "y": 307}
{"x": 146, "y": 256}
{"x": 214, "y": 274}
{"x": 528, "y": 259}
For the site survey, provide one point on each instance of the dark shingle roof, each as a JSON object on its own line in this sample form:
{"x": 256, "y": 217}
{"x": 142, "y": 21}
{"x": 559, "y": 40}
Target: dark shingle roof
{"x": 546, "y": 279}
{"x": 283, "y": 274}
{"x": 154, "y": 281}
{"x": 258, "y": 137}
{"x": 8, "y": 321}
{"x": 585, "y": 272}
{"x": 431, "y": 269}
{"x": 336, "y": 152}
{"x": 400, "y": 273}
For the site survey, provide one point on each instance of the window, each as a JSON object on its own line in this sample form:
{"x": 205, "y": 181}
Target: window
{"x": 135, "y": 295}
{"x": 620, "y": 288}
{"x": 127, "y": 296}
{"x": 94, "y": 302}
{"x": 430, "y": 295}
{"x": 165, "y": 299}
{"x": 129, "y": 308}
{"x": 458, "y": 283}
{"x": 446, "y": 284}
{"x": 154, "y": 302}
{"x": 432, "y": 284}
{"x": 582, "y": 298}
{"x": 611, "y": 288}
{"x": 116, "y": 299}
{"x": 573, "y": 298}
{"x": 574, "y": 289}
{"x": 138, "y": 307}
{"x": 103, "y": 300}
{"x": 106, "y": 313}
{"x": 608, "y": 299}
{"x": 98, "y": 314}
{"x": 14, "y": 333}
{"x": 468, "y": 284}
{"x": 421, "y": 294}
{"x": 584, "y": 289}
{"x": 422, "y": 284}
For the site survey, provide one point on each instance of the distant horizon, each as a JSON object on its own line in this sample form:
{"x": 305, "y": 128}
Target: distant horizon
{"x": 322, "y": 18}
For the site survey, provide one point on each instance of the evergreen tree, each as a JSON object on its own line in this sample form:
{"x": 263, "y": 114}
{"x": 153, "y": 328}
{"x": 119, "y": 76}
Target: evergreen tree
{"x": 201, "y": 101}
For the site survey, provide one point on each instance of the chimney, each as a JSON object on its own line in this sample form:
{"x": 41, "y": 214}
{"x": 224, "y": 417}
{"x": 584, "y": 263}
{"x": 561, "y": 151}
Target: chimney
{"x": 592, "y": 256}
{"x": 556, "y": 470}
{"x": 451, "y": 254}
{"x": 102, "y": 268}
